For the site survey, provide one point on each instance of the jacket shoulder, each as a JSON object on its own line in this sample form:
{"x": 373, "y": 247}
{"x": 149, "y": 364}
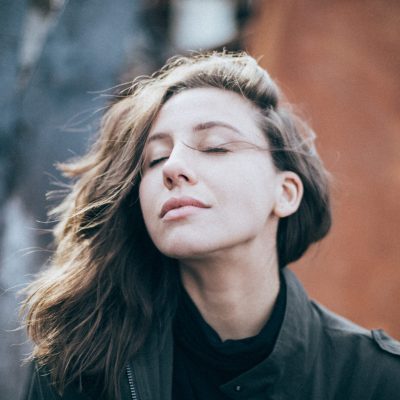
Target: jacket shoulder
{"x": 40, "y": 387}
{"x": 343, "y": 330}
{"x": 385, "y": 342}
{"x": 363, "y": 364}
{"x": 333, "y": 322}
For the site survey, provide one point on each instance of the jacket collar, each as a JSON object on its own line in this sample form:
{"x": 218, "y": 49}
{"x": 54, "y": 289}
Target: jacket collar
{"x": 284, "y": 371}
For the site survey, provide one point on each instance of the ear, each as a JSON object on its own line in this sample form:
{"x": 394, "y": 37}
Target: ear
{"x": 290, "y": 194}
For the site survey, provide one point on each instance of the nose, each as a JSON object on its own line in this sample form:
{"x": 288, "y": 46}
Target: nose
{"x": 178, "y": 170}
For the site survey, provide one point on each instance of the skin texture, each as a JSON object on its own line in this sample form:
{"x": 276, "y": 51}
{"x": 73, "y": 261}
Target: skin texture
{"x": 205, "y": 144}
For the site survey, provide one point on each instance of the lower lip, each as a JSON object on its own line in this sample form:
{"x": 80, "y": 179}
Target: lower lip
{"x": 180, "y": 213}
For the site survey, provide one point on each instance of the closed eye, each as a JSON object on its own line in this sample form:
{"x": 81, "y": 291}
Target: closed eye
{"x": 215, "y": 150}
{"x": 157, "y": 161}
{"x": 205, "y": 150}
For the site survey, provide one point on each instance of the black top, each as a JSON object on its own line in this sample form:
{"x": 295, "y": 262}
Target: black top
{"x": 203, "y": 362}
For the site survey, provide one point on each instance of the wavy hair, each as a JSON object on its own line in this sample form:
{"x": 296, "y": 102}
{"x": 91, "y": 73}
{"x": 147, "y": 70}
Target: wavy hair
{"x": 107, "y": 285}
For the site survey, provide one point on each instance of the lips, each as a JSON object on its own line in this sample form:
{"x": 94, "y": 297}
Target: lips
{"x": 176, "y": 202}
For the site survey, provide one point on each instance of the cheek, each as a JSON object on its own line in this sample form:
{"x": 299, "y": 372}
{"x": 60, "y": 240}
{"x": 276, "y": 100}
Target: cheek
{"x": 249, "y": 184}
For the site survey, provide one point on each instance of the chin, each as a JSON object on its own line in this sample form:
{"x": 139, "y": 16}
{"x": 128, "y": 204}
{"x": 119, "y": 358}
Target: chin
{"x": 183, "y": 253}
{"x": 185, "y": 250}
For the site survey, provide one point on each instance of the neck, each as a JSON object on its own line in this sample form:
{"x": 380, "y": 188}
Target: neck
{"x": 234, "y": 294}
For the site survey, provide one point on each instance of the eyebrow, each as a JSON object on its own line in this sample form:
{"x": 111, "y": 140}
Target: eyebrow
{"x": 203, "y": 126}
{"x": 213, "y": 124}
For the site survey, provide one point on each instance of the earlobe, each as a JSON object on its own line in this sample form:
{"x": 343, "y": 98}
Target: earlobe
{"x": 290, "y": 194}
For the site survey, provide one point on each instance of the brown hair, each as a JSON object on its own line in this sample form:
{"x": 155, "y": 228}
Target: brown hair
{"x": 107, "y": 284}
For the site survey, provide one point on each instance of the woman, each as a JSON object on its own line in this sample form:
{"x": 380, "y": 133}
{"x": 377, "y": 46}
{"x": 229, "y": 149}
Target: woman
{"x": 169, "y": 277}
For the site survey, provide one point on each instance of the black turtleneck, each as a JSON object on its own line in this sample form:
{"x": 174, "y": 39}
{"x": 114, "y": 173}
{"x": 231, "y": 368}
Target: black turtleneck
{"x": 203, "y": 362}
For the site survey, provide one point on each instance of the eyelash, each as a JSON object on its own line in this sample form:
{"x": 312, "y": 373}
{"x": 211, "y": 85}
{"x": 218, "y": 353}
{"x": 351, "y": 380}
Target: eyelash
{"x": 215, "y": 150}
{"x": 206, "y": 150}
{"x": 156, "y": 161}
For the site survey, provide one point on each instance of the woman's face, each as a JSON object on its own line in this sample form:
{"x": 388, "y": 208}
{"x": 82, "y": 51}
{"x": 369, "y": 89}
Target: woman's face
{"x": 207, "y": 185}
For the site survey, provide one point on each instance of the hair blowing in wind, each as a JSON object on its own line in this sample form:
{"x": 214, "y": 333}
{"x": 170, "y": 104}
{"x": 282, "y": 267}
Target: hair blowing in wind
{"x": 107, "y": 285}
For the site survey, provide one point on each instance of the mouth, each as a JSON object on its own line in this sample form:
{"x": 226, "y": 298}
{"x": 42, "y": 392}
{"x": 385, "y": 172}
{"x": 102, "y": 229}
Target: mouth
{"x": 179, "y": 202}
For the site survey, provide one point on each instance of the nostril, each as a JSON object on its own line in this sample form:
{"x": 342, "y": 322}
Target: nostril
{"x": 171, "y": 180}
{"x": 177, "y": 173}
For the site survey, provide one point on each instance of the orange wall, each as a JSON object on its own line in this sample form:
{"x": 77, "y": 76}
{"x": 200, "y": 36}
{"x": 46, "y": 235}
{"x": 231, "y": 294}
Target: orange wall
{"x": 340, "y": 63}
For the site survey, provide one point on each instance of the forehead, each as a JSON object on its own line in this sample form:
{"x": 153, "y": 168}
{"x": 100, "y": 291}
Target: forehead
{"x": 205, "y": 106}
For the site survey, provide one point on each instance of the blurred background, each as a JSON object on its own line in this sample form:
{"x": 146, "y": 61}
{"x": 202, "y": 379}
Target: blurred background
{"x": 338, "y": 61}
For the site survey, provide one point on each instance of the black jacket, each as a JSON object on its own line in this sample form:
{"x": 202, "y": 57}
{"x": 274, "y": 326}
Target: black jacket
{"x": 318, "y": 355}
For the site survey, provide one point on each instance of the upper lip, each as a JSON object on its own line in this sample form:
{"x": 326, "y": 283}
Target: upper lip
{"x": 177, "y": 202}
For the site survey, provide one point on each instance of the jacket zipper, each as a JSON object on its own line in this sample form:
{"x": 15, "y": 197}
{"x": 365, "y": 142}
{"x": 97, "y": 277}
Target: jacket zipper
{"x": 131, "y": 379}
